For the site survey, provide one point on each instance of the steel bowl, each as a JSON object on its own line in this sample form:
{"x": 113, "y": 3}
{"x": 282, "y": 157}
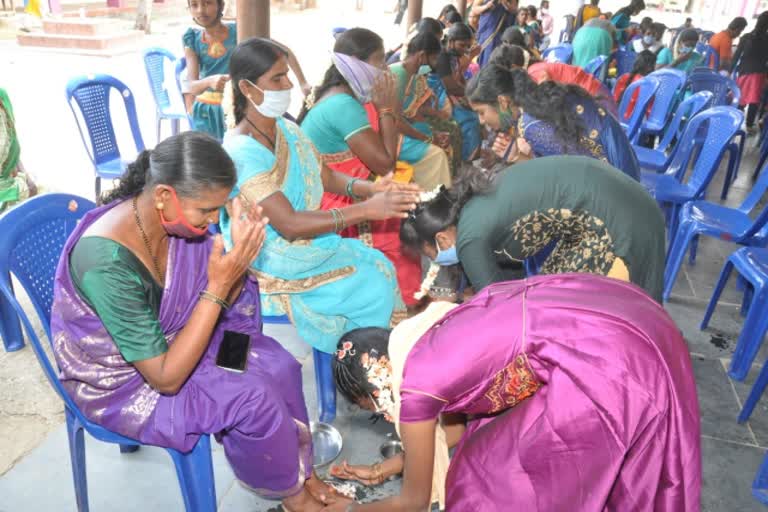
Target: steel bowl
{"x": 390, "y": 448}
{"x": 326, "y": 443}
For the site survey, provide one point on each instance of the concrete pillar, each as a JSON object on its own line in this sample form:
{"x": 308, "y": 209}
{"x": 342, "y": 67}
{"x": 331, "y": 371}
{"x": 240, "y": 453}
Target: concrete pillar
{"x": 461, "y": 6}
{"x": 252, "y": 19}
{"x": 414, "y": 12}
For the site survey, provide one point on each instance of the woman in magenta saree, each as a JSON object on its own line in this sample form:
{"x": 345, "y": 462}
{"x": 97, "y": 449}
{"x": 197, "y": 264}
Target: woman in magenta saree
{"x": 136, "y": 343}
{"x": 577, "y": 392}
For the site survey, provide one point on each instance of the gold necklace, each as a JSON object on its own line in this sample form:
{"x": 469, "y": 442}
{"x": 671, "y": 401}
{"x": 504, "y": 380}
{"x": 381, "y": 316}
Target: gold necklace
{"x": 145, "y": 238}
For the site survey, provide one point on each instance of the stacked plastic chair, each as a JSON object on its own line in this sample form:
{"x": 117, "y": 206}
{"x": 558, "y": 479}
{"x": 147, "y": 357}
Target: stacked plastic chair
{"x": 34, "y": 234}
{"x": 666, "y": 97}
{"x": 91, "y": 94}
{"x": 631, "y": 121}
{"x": 597, "y": 67}
{"x": 624, "y": 61}
{"x": 559, "y": 53}
{"x": 165, "y": 107}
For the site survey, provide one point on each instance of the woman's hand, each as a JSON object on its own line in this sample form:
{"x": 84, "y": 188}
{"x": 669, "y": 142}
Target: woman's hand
{"x": 305, "y": 88}
{"x": 248, "y": 232}
{"x": 366, "y": 475}
{"x": 387, "y": 183}
{"x": 501, "y": 144}
{"x": 217, "y": 82}
{"x": 390, "y": 204}
{"x": 384, "y": 93}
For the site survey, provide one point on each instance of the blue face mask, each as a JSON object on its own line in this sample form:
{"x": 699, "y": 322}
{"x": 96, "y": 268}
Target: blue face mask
{"x": 685, "y": 50}
{"x": 424, "y": 69}
{"x": 649, "y": 40}
{"x": 446, "y": 257}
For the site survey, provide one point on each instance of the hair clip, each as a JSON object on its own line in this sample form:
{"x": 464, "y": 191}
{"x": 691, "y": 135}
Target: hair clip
{"x": 346, "y": 349}
{"x": 426, "y": 197}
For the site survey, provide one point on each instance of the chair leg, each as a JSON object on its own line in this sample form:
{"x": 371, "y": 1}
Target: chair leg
{"x": 675, "y": 259}
{"x": 760, "y": 485}
{"x": 754, "y": 394}
{"x": 195, "y": 473}
{"x": 746, "y": 300}
{"x": 159, "y": 128}
{"x": 77, "y": 459}
{"x": 10, "y": 328}
{"x": 730, "y": 176}
{"x": 325, "y": 386}
{"x": 692, "y": 250}
{"x": 175, "y": 126}
{"x": 98, "y": 187}
{"x": 721, "y": 282}
{"x": 750, "y": 338}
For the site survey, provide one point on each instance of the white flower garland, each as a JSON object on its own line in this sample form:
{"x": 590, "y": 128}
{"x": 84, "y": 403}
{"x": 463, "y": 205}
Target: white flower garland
{"x": 428, "y": 281}
{"x": 379, "y": 373}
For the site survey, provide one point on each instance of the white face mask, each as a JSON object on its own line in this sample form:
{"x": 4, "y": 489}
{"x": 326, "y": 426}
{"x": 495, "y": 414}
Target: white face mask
{"x": 274, "y": 104}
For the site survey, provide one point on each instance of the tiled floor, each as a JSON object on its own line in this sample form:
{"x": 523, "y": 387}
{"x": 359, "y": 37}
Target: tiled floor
{"x": 145, "y": 480}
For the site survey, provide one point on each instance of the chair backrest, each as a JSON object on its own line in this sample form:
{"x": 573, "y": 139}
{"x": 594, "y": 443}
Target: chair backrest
{"x": 706, "y": 35}
{"x": 631, "y": 122}
{"x": 707, "y": 136}
{"x": 624, "y": 61}
{"x": 685, "y": 111}
{"x": 671, "y": 83}
{"x": 559, "y": 53}
{"x": 91, "y": 94}
{"x": 725, "y": 90}
{"x": 154, "y": 64}
{"x": 595, "y": 66}
{"x": 711, "y": 57}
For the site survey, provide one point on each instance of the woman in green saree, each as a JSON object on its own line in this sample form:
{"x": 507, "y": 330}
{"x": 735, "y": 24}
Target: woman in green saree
{"x": 15, "y": 184}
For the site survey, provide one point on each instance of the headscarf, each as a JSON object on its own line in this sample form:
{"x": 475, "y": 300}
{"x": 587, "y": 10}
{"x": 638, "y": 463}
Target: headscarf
{"x": 359, "y": 75}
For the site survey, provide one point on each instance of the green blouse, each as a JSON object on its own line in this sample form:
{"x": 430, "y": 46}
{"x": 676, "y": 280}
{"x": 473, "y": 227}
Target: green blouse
{"x": 9, "y": 150}
{"x": 594, "y": 212}
{"x": 331, "y": 123}
{"x": 122, "y": 292}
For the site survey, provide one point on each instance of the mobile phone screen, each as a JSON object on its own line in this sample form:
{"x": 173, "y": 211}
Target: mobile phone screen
{"x": 233, "y": 352}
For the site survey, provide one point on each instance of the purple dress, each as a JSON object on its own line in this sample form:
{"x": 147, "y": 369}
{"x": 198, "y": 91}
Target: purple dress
{"x": 580, "y": 394}
{"x": 259, "y": 416}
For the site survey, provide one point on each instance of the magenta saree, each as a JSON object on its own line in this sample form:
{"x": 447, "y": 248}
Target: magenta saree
{"x": 259, "y": 416}
{"x": 580, "y": 392}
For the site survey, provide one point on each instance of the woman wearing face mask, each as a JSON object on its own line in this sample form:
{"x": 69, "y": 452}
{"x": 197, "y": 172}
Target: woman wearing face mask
{"x": 686, "y": 56}
{"x": 569, "y": 392}
{"x": 323, "y": 282}
{"x": 425, "y": 129}
{"x": 448, "y": 83}
{"x": 351, "y": 120}
{"x": 138, "y": 322}
{"x": 537, "y": 120}
{"x": 599, "y": 221}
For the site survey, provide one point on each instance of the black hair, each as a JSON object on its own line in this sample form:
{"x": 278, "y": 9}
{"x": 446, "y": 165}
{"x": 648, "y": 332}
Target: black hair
{"x": 658, "y": 30}
{"x": 762, "y": 24}
{"x": 738, "y": 23}
{"x": 509, "y": 56}
{"x": 513, "y": 35}
{"x": 594, "y": 2}
{"x": 689, "y": 34}
{"x": 646, "y": 23}
{"x": 190, "y": 162}
{"x": 454, "y": 17}
{"x": 533, "y": 11}
{"x": 219, "y": 13}
{"x": 644, "y": 64}
{"x": 447, "y": 9}
{"x": 430, "y": 25}
{"x": 430, "y": 218}
{"x": 249, "y": 61}
{"x": 460, "y": 32}
{"x": 629, "y": 10}
{"x": 424, "y": 42}
{"x": 548, "y": 101}
{"x": 348, "y": 372}
{"x": 360, "y": 43}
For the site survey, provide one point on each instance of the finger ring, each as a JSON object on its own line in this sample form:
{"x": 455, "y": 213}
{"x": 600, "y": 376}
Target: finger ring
{"x": 243, "y": 216}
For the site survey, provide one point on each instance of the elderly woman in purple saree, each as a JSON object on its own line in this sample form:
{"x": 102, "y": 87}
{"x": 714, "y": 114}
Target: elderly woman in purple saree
{"x": 577, "y": 392}
{"x": 102, "y": 322}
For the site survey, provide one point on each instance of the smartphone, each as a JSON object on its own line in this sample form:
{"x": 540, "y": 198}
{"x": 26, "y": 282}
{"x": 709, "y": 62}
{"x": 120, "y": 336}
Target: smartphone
{"x": 233, "y": 352}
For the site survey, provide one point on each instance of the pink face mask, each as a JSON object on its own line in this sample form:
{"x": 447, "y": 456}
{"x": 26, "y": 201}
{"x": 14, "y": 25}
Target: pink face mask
{"x": 181, "y": 226}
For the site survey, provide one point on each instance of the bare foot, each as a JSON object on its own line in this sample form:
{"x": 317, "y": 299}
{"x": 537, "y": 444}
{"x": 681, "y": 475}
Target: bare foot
{"x": 302, "y": 502}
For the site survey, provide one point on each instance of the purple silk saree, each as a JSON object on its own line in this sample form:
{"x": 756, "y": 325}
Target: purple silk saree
{"x": 580, "y": 392}
{"x": 259, "y": 416}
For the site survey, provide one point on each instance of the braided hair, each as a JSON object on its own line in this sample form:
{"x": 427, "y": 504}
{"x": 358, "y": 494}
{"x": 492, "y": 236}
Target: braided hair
{"x": 548, "y": 101}
{"x": 249, "y": 61}
{"x": 360, "y": 43}
{"x": 348, "y": 371}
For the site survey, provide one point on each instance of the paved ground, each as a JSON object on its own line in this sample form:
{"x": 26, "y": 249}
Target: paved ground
{"x": 33, "y": 447}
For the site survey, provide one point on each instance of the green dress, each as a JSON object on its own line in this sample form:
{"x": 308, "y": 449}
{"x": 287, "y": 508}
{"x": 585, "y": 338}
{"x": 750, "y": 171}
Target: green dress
{"x": 122, "y": 292}
{"x": 601, "y": 222}
{"x": 13, "y": 185}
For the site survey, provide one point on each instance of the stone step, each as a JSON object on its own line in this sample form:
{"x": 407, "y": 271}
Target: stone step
{"x": 99, "y": 44}
{"x": 81, "y": 26}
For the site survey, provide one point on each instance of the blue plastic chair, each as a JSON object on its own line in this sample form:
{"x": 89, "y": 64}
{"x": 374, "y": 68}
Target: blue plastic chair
{"x": 752, "y": 265}
{"x": 724, "y": 89}
{"x": 562, "y": 52}
{"x": 165, "y": 108}
{"x": 711, "y": 57}
{"x": 760, "y": 484}
{"x": 34, "y": 234}
{"x": 325, "y": 385}
{"x": 671, "y": 83}
{"x": 706, "y": 136}
{"x": 91, "y": 93}
{"x": 763, "y": 157}
{"x": 704, "y": 218}
{"x": 659, "y": 158}
{"x": 624, "y": 61}
{"x": 706, "y": 35}
{"x": 597, "y": 67}
{"x": 631, "y": 122}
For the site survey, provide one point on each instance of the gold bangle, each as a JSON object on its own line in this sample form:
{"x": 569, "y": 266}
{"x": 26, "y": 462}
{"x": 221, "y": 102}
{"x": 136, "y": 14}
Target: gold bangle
{"x": 343, "y": 221}
{"x": 386, "y": 110}
{"x": 205, "y": 294}
{"x": 334, "y": 213}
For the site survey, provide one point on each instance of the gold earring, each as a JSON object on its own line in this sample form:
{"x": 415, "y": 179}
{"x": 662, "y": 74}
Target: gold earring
{"x": 159, "y": 206}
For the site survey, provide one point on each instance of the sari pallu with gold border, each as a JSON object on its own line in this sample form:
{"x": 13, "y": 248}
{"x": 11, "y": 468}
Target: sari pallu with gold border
{"x": 383, "y": 235}
{"x": 327, "y": 285}
{"x": 270, "y": 449}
